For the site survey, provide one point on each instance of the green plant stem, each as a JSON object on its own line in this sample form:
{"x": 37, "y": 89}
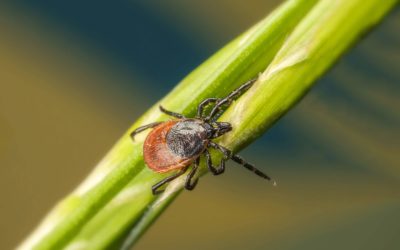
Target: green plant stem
{"x": 293, "y": 46}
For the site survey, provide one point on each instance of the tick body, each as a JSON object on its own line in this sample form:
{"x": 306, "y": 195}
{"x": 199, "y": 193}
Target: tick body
{"x": 177, "y": 144}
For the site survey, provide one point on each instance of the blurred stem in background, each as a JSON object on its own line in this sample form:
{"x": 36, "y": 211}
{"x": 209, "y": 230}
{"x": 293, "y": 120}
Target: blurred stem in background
{"x": 293, "y": 46}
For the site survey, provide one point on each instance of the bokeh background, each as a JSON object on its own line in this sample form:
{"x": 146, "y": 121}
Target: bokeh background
{"x": 74, "y": 75}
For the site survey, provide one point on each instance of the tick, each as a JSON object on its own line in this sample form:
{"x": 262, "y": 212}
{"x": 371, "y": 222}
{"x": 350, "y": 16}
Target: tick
{"x": 175, "y": 145}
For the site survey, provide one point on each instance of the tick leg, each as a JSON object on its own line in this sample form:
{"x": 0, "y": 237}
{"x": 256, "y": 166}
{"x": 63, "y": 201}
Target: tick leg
{"x": 155, "y": 187}
{"x": 228, "y": 100}
{"x": 170, "y": 113}
{"x": 204, "y": 104}
{"x": 214, "y": 170}
{"x": 189, "y": 184}
{"x": 142, "y": 128}
{"x": 227, "y": 153}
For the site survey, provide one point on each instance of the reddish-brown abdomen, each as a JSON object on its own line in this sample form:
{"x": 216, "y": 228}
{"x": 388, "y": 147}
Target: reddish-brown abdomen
{"x": 156, "y": 153}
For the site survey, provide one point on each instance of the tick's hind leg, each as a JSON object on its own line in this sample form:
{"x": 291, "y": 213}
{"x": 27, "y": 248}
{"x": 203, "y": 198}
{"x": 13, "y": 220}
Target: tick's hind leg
{"x": 228, "y": 154}
{"x": 189, "y": 184}
{"x": 155, "y": 187}
{"x": 170, "y": 113}
{"x": 214, "y": 170}
{"x": 142, "y": 128}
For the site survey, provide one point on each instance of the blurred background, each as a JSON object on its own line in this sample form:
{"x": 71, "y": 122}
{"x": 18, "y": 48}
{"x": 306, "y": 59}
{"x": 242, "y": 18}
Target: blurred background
{"x": 76, "y": 74}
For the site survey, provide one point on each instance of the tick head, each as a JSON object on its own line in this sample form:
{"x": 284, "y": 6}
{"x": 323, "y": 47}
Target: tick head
{"x": 221, "y": 128}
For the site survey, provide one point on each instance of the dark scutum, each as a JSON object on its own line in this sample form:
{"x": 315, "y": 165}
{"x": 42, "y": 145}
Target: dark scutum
{"x": 187, "y": 138}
